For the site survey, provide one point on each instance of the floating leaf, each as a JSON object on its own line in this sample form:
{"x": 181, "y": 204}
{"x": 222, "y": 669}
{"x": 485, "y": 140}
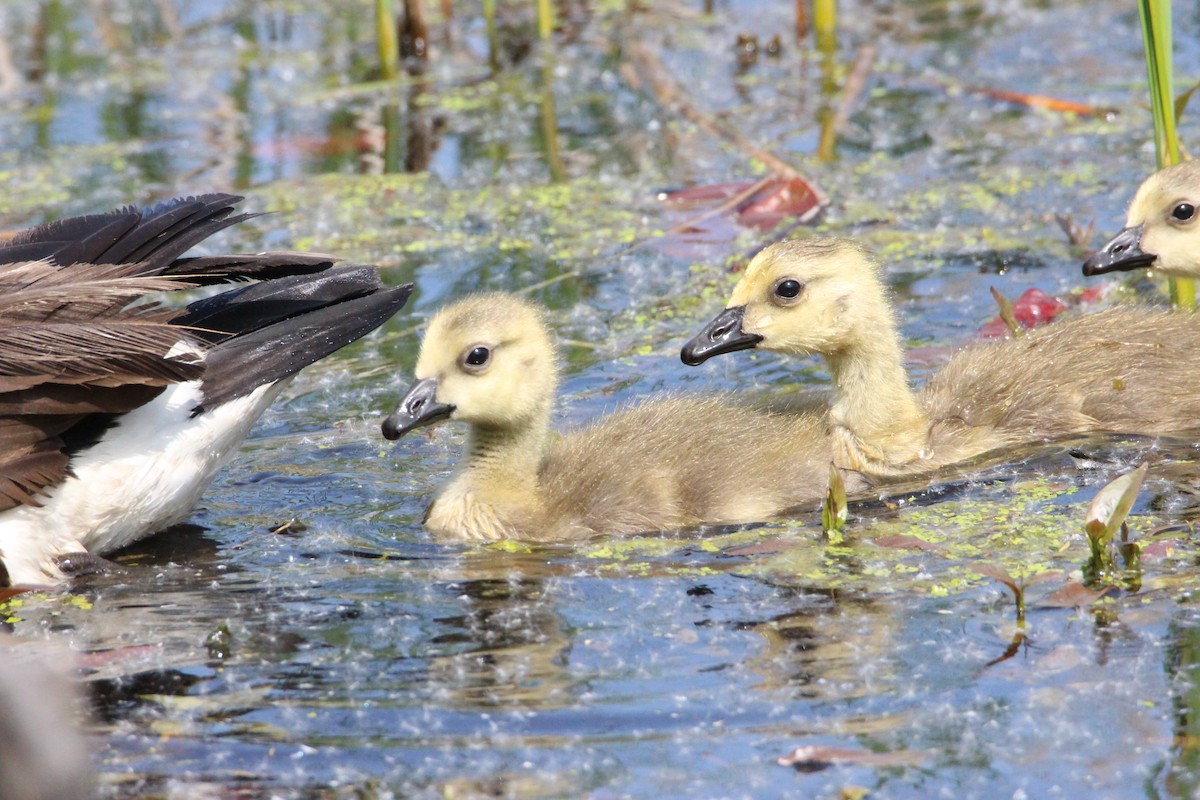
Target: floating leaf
{"x": 1157, "y": 550}
{"x": 1074, "y": 595}
{"x": 10, "y": 591}
{"x": 1111, "y": 505}
{"x": 902, "y": 542}
{"x": 1043, "y": 101}
{"x": 759, "y": 548}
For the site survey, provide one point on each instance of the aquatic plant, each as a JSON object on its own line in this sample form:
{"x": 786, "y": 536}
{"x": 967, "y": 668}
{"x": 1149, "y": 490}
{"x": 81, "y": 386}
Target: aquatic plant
{"x": 824, "y": 19}
{"x": 833, "y": 510}
{"x": 1015, "y": 585}
{"x": 1007, "y": 313}
{"x": 1155, "y": 16}
{"x": 545, "y": 19}
{"x": 386, "y": 42}
{"x": 1105, "y": 517}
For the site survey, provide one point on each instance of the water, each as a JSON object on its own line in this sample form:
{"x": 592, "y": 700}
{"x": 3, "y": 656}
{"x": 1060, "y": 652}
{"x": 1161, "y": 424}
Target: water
{"x": 350, "y": 656}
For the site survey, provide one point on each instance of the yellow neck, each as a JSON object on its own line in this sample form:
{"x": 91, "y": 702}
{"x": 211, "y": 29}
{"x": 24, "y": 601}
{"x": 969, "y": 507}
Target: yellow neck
{"x": 878, "y": 425}
{"x": 495, "y": 494}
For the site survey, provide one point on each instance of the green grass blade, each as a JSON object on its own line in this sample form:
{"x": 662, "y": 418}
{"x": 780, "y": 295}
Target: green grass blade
{"x": 387, "y": 40}
{"x": 1156, "y": 36}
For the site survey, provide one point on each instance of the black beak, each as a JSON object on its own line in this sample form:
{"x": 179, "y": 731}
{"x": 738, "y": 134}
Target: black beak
{"x": 723, "y": 335}
{"x": 1122, "y": 252}
{"x": 419, "y": 407}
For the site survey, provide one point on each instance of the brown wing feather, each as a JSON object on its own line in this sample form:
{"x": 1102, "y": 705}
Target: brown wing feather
{"x": 79, "y": 343}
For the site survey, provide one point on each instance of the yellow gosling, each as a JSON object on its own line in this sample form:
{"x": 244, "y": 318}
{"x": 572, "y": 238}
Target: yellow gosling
{"x": 1133, "y": 371}
{"x": 489, "y": 361}
{"x": 1161, "y": 229}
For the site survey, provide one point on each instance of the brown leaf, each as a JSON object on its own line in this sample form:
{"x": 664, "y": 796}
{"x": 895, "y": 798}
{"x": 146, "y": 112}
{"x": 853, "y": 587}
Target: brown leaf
{"x": 780, "y": 199}
{"x": 1157, "y": 550}
{"x": 12, "y": 591}
{"x": 1043, "y": 101}
{"x": 1074, "y": 595}
{"x": 997, "y": 574}
{"x": 901, "y": 542}
{"x": 758, "y": 548}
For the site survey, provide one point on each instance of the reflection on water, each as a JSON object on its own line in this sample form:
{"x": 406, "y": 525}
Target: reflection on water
{"x": 348, "y": 655}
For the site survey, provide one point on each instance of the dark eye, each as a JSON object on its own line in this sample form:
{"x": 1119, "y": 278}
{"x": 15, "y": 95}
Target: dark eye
{"x": 788, "y": 288}
{"x": 477, "y": 357}
{"x": 1183, "y": 212}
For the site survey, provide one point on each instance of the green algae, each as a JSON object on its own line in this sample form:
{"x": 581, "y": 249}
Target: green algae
{"x": 17, "y": 609}
{"x": 1027, "y": 527}
{"x": 383, "y": 218}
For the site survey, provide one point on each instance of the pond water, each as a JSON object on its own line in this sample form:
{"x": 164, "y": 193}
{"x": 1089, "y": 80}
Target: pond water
{"x": 349, "y": 655}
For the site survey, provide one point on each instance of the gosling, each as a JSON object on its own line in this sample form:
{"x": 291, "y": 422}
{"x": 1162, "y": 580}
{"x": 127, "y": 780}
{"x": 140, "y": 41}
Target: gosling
{"x": 489, "y": 361}
{"x": 1160, "y": 229}
{"x": 1128, "y": 370}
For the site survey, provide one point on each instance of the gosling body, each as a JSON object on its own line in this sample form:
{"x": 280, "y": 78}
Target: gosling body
{"x": 664, "y": 465}
{"x": 1131, "y": 371}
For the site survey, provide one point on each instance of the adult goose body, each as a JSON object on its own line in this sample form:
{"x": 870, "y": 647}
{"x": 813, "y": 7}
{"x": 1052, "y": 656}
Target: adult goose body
{"x": 117, "y": 411}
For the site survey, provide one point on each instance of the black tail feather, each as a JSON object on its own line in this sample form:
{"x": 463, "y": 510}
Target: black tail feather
{"x": 75, "y": 240}
{"x": 243, "y": 311}
{"x": 169, "y": 231}
{"x": 283, "y": 332}
{"x": 205, "y": 270}
{"x": 157, "y": 235}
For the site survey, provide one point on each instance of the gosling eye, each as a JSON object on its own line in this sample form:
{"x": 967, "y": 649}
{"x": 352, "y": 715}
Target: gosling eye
{"x": 788, "y": 289}
{"x": 477, "y": 358}
{"x": 1183, "y": 212}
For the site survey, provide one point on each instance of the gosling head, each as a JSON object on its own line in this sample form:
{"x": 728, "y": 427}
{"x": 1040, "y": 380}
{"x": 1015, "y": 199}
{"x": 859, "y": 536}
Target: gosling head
{"x": 1161, "y": 228}
{"x": 487, "y": 360}
{"x": 798, "y": 297}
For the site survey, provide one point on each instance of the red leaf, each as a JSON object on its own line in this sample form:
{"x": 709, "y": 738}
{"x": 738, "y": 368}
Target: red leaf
{"x": 706, "y": 194}
{"x": 1034, "y": 307}
{"x": 780, "y": 199}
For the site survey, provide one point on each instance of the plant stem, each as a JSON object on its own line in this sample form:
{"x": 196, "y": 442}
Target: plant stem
{"x": 386, "y": 40}
{"x": 1156, "y": 37}
{"x": 545, "y": 19}
{"x": 824, "y": 21}
{"x": 489, "y": 17}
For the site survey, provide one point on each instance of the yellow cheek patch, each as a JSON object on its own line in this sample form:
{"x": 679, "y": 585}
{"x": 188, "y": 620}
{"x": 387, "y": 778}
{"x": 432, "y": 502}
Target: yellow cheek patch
{"x": 1143, "y": 203}
{"x": 740, "y": 295}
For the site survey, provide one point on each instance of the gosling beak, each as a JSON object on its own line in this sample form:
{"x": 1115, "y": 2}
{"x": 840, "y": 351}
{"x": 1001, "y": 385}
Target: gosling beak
{"x": 723, "y": 335}
{"x": 1122, "y": 252}
{"x": 419, "y": 407}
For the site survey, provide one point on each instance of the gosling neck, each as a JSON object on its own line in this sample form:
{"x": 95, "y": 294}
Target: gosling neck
{"x": 507, "y": 456}
{"x": 875, "y": 414}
